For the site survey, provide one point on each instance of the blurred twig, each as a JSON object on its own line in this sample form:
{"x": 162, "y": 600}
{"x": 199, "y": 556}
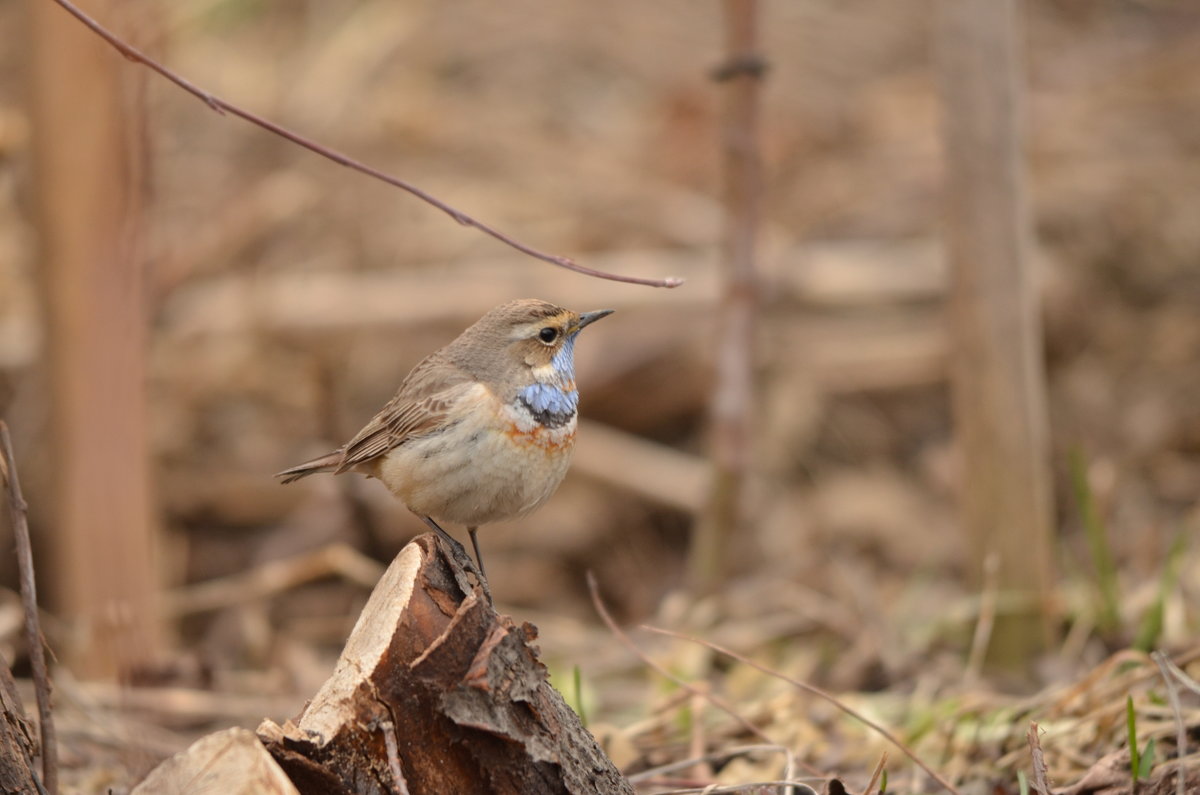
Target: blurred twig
{"x": 274, "y": 577}
{"x": 106, "y": 703}
{"x": 716, "y": 701}
{"x": 816, "y": 691}
{"x": 223, "y": 107}
{"x": 985, "y": 622}
{"x": 33, "y": 632}
{"x": 1171, "y": 674}
{"x": 754, "y": 786}
{"x": 1040, "y": 785}
{"x": 876, "y": 774}
{"x": 732, "y": 398}
{"x": 720, "y": 755}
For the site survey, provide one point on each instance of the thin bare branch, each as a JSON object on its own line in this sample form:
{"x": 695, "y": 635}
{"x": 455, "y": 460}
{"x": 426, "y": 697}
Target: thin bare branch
{"x": 223, "y": 107}
{"x": 816, "y": 691}
{"x": 753, "y": 786}
{"x": 720, "y": 755}
{"x": 987, "y": 618}
{"x": 1040, "y": 783}
{"x": 1169, "y": 679}
{"x": 33, "y": 631}
{"x": 399, "y": 784}
{"x": 1180, "y": 676}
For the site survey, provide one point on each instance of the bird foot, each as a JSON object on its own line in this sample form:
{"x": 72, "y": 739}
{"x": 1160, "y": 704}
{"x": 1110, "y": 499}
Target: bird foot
{"x": 462, "y": 558}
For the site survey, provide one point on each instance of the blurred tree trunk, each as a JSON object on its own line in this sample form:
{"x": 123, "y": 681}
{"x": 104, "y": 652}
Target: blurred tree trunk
{"x": 997, "y": 370}
{"x": 88, "y": 178}
{"x": 732, "y": 399}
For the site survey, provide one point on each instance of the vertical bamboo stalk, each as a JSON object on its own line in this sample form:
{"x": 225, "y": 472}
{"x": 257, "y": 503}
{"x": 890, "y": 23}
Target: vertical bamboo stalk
{"x": 998, "y": 379}
{"x": 87, "y": 185}
{"x": 732, "y": 400}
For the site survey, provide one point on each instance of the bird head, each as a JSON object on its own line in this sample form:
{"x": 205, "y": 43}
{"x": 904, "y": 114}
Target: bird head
{"x": 534, "y": 340}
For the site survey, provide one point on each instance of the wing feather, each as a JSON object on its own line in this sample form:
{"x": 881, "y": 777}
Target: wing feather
{"x": 423, "y": 403}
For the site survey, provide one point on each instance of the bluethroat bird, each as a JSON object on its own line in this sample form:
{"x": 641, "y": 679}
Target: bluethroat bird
{"x": 481, "y": 430}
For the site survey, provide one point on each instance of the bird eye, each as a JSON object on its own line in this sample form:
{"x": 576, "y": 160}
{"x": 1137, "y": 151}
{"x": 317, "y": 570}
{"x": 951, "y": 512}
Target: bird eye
{"x": 548, "y": 334}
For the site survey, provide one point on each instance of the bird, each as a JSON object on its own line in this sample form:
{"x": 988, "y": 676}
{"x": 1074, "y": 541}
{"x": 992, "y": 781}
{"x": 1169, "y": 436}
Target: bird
{"x": 481, "y": 430}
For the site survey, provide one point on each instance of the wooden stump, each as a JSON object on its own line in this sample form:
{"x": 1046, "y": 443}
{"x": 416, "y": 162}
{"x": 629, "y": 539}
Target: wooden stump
{"x": 17, "y": 744}
{"x": 436, "y": 693}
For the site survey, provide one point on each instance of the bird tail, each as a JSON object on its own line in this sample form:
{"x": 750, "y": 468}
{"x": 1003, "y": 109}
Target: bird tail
{"x": 326, "y": 463}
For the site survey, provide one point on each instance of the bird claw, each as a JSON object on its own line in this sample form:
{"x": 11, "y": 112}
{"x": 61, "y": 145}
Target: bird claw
{"x": 463, "y": 562}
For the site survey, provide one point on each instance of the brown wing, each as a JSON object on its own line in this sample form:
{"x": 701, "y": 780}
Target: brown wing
{"x": 421, "y": 404}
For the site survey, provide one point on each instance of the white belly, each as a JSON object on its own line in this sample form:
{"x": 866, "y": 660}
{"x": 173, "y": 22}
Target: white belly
{"x": 495, "y": 465}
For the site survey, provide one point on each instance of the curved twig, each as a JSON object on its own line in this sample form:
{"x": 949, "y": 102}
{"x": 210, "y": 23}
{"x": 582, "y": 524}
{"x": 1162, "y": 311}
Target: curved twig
{"x": 223, "y": 107}
{"x": 816, "y": 691}
{"x": 712, "y": 698}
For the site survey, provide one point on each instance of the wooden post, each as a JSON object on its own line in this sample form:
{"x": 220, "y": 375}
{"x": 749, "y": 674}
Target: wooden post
{"x": 732, "y": 401}
{"x": 997, "y": 371}
{"x": 88, "y": 177}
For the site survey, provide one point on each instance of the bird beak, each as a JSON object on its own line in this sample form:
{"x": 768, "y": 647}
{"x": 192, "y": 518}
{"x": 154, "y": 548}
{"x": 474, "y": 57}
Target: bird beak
{"x": 590, "y": 317}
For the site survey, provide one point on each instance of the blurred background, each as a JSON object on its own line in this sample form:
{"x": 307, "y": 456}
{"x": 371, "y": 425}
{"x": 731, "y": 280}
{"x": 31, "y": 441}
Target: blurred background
{"x": 268, "y": 302}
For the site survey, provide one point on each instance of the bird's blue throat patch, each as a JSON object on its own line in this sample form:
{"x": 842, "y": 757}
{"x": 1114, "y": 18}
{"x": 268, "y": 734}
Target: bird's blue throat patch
{"x": 564, "y": 361}
{"x": 550, "y": 404}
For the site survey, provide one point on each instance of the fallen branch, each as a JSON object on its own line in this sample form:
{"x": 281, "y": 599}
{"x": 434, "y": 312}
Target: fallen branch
{"x": 33, "y": 631}
{"x": 274, "y": 577}
{"x": 223, "y": 107}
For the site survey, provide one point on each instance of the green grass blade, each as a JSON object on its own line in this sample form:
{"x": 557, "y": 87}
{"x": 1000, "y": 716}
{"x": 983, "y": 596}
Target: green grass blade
{"x": 1146, "y": 761}
{"x": 1131, "y": 727}
{"x": 1151, "y": 624}
{"x": 1097, "y": 536}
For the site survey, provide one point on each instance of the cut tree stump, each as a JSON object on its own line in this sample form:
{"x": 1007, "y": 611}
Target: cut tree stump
{"x": 436, "y": 693}
{"x": 230, "y": 762}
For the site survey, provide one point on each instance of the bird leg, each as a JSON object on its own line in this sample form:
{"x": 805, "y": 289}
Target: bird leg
{"x": 459, "y": 553}
{"x": 475, "y": 545}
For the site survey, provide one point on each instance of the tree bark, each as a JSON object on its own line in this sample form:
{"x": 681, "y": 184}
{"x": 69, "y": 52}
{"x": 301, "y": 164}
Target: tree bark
{"x": 731, "y": 406}
{"x": 88, "y": 177}
{"x": 17, "y": 745}
{"x": 996, "y": 356}
{"x": 436, "y": 693}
